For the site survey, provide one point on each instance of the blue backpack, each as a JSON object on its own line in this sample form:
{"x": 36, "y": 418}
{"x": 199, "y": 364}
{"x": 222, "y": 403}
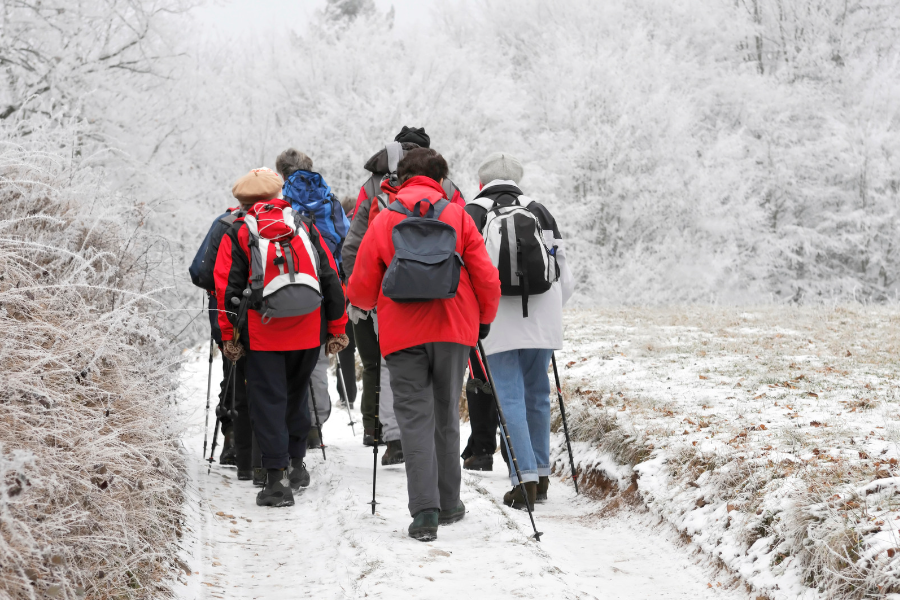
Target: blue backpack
{"x": 310, "y": 195}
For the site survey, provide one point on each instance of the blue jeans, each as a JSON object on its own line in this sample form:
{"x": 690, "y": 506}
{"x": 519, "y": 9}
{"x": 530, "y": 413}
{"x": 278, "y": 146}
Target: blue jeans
{"x": 523, "y": 388}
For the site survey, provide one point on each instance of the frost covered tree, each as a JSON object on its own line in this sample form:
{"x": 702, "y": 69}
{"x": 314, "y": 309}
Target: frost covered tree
{"x": 347, "y": 10}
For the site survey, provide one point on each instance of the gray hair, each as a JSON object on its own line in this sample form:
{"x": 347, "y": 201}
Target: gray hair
{"x": 292, "y": 160}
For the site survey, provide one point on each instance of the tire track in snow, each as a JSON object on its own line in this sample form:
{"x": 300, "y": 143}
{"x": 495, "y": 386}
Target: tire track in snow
{"x": 329, "y": 545}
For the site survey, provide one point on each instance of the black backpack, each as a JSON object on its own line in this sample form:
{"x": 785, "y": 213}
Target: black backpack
{"x": 426, "y": 265}
{"x": 204, "y": 263}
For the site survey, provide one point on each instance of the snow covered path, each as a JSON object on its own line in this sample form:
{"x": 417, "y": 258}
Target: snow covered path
{"x": 329, "y": 545}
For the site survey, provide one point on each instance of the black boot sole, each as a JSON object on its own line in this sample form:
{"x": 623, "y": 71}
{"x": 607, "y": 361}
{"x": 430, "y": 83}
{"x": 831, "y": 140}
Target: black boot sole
{"x": 393, "y": 461}
{"x": 451, "y": 520}
{"x": 424, "y": 535}
{"x": 244, "y": 475}
{"x": 275, "y": 502}
{"x": 491, "y": 468}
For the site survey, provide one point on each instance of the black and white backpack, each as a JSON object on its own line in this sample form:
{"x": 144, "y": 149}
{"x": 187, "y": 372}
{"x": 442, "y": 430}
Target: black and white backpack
{"x": 515, "y": 243}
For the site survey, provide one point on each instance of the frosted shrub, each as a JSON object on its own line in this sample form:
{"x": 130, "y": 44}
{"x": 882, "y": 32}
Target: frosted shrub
{"x": 90, "y": 473}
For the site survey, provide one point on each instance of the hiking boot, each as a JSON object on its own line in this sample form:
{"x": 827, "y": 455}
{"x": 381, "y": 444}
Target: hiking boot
{"x": 479, "y": 462}
{"x": 393, "y": 455}
{"x": 368, "y": 437}
{"x": 297, "y": 474}
{"x": 259, "y": 477}
{"x": 542, "y": 486}
{"x": 245, "y": 475}
{"x": 313, "y": 441}
{"x": 351, "y": 405}
{"x": 452, "y": 515}
{"x": 277, "y": 492}
{"x": 514, "y": 498}
{"x": 425, "y": 525}
{"x": 229, "y": 451}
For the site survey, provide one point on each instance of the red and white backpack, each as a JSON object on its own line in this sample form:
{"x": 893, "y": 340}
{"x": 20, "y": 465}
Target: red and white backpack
{"x": 284, "y": 265}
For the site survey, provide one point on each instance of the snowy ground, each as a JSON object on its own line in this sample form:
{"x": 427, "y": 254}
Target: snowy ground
{"x": 329, "y": 545}
{"x": 769, "y": 437}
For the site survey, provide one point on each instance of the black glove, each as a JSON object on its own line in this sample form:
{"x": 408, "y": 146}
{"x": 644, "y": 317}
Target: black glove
{"x": 483, "y": 330}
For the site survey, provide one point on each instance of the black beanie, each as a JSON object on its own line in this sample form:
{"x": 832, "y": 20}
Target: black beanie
{"x": 414, "y": 135}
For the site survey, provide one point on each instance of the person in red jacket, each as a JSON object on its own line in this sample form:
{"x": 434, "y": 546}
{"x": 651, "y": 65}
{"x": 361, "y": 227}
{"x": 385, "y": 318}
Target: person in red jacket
{"x": 281, "y": 352}
{"x": 426, "y": 344}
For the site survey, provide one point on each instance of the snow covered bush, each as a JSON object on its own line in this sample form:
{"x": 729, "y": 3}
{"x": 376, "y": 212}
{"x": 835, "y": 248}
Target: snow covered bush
{"x": 90, "y": 473}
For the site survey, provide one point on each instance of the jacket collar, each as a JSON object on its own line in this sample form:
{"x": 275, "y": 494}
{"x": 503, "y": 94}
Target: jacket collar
{"x": 499, "y": 187}
{"x": 500, "y": 182}
{"x": 418, "y": 187}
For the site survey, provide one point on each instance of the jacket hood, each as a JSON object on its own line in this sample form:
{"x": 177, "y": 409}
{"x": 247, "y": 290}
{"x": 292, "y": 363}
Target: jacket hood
{"x": 378, "y": 163}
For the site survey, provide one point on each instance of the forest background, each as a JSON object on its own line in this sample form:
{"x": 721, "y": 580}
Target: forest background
{"x": 712, "y": 151}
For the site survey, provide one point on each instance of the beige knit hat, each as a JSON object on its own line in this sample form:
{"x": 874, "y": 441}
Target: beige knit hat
{"x": 257, "y": 185}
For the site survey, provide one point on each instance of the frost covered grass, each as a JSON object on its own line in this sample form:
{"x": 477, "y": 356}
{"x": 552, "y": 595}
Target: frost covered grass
{"x": 90, "y": 473}
{"x": 768, "y": 437}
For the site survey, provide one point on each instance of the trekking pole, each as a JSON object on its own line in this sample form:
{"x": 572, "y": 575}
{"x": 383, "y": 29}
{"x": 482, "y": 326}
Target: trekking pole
{"x": 312, "y": 395}
{"x": 377, "y": 434}
{"x": 342, "y": 390}
{"x": 212, "y": 344}
{"x": 231, "y": 379}
{"x": 562, "y": 411}
{"x": 223, "y": 412}
{"x": 482, "y": 358}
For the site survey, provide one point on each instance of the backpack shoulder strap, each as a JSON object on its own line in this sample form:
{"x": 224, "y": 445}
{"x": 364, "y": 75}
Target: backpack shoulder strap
{"x": 450, "y": 188}
{"x": 525, "y": 201}
{"x": 439, "y": 207}
{"x": 398, "y": 207}
{"x": 485, "y": 203}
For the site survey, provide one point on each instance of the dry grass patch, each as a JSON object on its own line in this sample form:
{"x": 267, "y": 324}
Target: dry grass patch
{"x": 769, "y": 436}
{"x": 90, "y": 473}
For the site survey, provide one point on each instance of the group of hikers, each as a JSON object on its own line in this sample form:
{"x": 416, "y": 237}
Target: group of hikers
{"x": 424, "y": 285}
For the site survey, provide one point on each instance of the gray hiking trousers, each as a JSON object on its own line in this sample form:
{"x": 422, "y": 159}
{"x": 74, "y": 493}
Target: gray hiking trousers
{"x": 319, "y": 381}
{"x": 427, "y": 380}
{"x": 390, "y": 432}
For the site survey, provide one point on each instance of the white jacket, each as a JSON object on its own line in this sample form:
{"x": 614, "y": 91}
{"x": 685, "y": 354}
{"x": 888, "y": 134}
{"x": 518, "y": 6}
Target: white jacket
{"x": 543, "y": 327}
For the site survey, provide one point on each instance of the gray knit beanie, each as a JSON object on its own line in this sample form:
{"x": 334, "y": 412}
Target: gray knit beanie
{"x": 500, "y": 165}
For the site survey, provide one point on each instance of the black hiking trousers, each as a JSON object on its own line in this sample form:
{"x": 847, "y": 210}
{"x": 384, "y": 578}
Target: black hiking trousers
{"x": 348, "y": 364}
{"x": 482, "y": 414}
{"x": 243, "y": 432}
{"x": 370, "y": 355}
{"x": 278, "y": 382}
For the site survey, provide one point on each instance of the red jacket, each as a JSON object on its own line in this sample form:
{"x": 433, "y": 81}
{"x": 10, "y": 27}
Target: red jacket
{"x": 232, "y": 275}
{"x": 403, "y": 325}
